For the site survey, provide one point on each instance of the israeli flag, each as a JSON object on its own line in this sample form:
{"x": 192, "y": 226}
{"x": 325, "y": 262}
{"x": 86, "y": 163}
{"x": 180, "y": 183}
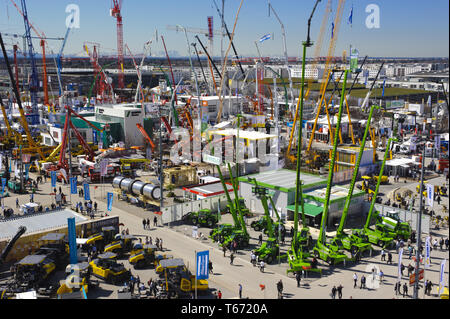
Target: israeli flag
{"x": 264, "y": 38}
{"x": 202, "y": 264}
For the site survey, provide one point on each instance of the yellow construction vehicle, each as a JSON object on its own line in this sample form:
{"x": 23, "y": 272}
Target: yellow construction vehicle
{"x": 106, "y": 267}
{"x": 177, "y": 279}
{"x": 142, "y": 256}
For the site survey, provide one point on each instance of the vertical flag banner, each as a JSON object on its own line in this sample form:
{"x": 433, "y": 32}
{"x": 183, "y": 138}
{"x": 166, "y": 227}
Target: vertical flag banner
{"x": 1, "y": 162}
{"x": 87, "y": 195}
{"x": 109, "y": 200}
{"x": 400, "y": 256}
{"x": 203, "y": 264}
{"x": 3, "y": 184}
{"x": 104, "y": 167}
{"x": 350, "y": 18}
{"x": 53, "y": 178}
{"x": 332, "y": 30}
{"x": 27, "y": 170}
{"x": 354, "y": 54}
{"x": 430, "y": 195}
{"x": 427, "y": 260}
{"x": 73, "y": 185}
{"x": 441, "y": 277}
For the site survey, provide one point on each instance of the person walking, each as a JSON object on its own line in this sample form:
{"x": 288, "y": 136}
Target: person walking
{"x": 339, "y": 291}
{"x": 298, "y": 277}
{"x": 148, "y": 223}
{"x": 389, "y": 261}
{"x": 219, "y": 294}
{"x": 144, "y": 223}
{"x": 446, "y": 243}
{"x": 383, "y": 255}
{"x": 224, "y": 249}
{"x": 210, "y": 266}
{"x": 280, "y": 289}
{"x": 363, "y": 282}
{"x": 240, "y": 291}
{"x": 17, "y": 203}
{"x": 333, "y": 292}
{"x": 405, "y": 289}
{"x": 253, "y": 259}
{"x": 231, "y": 258}
{"x": 261, "y": 266}
{"x": 155, "y": 221}
{"x": 441, "y": 243}
{"x": 397, "y": 288}
{"x": 260, "y": 238}
{"x": 355, "y": 280}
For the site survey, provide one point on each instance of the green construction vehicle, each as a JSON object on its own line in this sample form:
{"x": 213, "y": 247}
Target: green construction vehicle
{"x": 375, "y": 236}
{"x": 262, "y": 223}
{"x": 239, "y": 233}
{"x": 393, "y": 226}
{"x": 322, "y": 249}
{"x": 203, "y": 217}
{"x": 270, "y": 249}
{"x": 342, "y": 240}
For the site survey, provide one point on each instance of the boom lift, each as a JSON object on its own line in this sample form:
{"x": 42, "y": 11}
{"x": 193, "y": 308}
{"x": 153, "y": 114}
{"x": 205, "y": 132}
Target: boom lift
{"x": 342, "y": 240}
{"x": 269, "y": 250}
{"x": 322, "y": 249}
{"x": 375, "y": 236}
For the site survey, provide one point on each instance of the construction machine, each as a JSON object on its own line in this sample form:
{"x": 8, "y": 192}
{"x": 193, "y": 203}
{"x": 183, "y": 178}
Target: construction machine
{"x": 106, "y": 267}
{"x": 143, "y": 256}
{"x": 103, "y": 238}
{"x": 269, "y": 250}
{"x": 78, "y": 279}
{"x": 203, "y": 217}
{"x": 239, "y": 233}
{"x": 375, "y": 236}
{"x": 121, "y": 244}
{"x": 177, "y": 280}
{"x": 391, "y": 225}
{"x": 322, "y": 249}
{"x": 54, "y": 246}
{"x": 11, "y": 243}
{"x": 342, "y": 240}
{"x": 32, "y": 271}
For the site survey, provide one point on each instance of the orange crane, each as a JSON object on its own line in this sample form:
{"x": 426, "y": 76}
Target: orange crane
{"x": 144, "y": 133}
{"x": 329, "y": 58}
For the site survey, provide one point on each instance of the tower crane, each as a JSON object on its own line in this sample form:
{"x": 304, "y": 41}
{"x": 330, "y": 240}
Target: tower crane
{"x": 115, "y": 12}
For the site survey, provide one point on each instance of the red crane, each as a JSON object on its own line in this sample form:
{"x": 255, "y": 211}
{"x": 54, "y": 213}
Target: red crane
{"x": 115, "y": 12}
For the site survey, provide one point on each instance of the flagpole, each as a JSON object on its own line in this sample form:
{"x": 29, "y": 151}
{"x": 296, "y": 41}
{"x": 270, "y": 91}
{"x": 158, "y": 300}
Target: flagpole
{"x": 196, "y": 265}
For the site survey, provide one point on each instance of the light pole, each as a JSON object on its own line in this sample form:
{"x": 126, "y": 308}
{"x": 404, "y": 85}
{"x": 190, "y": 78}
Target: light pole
{"x": 419, "y": 228}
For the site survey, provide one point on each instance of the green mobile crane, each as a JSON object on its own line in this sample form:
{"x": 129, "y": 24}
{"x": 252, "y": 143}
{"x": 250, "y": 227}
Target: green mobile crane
{"x": 322, "y": 249}
{"x": 239, "y": 233}
{"x": 269, "y": 250}
{"x": 296, "y": 255}
{"x": 375, "y": 236}
{"x": 225, "y": 234}
{"x": 352, "y": 243}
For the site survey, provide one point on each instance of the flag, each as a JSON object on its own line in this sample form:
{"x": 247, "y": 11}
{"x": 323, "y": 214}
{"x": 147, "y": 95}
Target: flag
{"x": 104, "y": 167}
{"x": 427, "y": 252}
{"x": 53, "y": 178}
{"x": 264, "y": 38}
{"x": 1, "y": 162}
{"x": 430, "y": 195}
{"x": 332, "y": 30}
{"x": 87, "y": 195}
{"x": 350, "y": 18}
{"x": 3, "y": 185}
{"x": 441, "y": 277}
{"x": 384, "y": 84}
{"x": 400, "y": 255}
{"x": 109, "y": 200}
{"x": 202, "y": 264}
{"x": 73, "y": 185}
{"x": 429, "y": 100}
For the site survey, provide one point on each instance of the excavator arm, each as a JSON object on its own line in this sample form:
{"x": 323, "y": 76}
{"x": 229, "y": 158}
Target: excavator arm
{"x": 10, "y": 245}
{"x": 144, "y": 133}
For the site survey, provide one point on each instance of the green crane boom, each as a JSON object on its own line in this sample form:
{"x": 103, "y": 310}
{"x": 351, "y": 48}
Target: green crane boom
{"x": 262, "y": 193}
{"x": 323, "y": 222}
{"x": 230, "y": 202}
{"x": 240, "y": 217}
{"x": 374, "y": 198}
{"x": 355, "y": 174}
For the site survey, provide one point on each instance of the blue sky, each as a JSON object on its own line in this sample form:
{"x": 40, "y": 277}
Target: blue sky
{"x": 408, "y": 28}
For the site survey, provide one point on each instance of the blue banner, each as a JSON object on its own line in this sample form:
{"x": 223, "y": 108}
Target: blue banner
{"x": 27, "y": 169}
{"x": 109, "y": 201}
{"x": 3, "y": 184}
{"x": 94, "y": 136}
{"x": 203, "y": 264}
{"x": 87, "y": 196}
{"x": 73, "y": 185}
{"x": 53, "y": 178}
